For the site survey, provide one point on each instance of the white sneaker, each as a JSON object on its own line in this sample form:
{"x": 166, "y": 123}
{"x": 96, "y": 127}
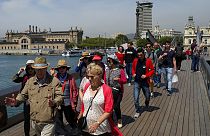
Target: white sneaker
{"x": 119, "y": 123}
{"x": 151, "y": 94}
{"x": 129, "y": 84}
{"x": 136, "y": 115}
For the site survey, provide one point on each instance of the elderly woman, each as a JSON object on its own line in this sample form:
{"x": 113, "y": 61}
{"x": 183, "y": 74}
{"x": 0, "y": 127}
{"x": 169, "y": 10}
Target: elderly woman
{"x": 98, "y": 97}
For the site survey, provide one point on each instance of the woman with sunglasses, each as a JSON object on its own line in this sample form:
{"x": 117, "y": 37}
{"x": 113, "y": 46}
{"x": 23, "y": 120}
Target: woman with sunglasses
{"x": 97, "y": 105}
{"x": 70, "y": 92}
{"x": 29, "y": 72}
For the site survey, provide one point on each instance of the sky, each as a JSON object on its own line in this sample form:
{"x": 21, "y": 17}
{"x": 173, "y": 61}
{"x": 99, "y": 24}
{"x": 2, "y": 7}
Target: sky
{"x": 97, "y": 17}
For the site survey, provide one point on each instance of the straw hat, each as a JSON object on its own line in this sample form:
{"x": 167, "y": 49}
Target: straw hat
{"x": 62, "y": 63}
{"x": 85, "y": 54}
{"x": 39, "y": 63}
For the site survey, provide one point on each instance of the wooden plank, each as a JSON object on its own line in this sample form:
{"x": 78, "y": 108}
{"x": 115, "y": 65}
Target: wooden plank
{"x": 196, "y": 107}
{"x": 205, "y": 103}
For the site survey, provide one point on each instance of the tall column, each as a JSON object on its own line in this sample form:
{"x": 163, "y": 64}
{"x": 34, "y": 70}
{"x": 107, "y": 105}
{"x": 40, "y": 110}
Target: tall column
{"x": 137, "y": 24}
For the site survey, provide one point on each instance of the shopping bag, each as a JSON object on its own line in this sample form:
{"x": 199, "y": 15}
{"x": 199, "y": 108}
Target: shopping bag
{"x": 175, "y": 78}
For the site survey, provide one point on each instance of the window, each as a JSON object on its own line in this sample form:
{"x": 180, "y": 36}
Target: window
{"x": 205, "y": 41}
{"x": 189, "y": 41}
{"x": 34, "y": 47}
{"x": 45, "y": 47}
{"x": 57, "y": 47}
{"x": 53, "y": 47}
{"x": 49, "y": 47}
{"x": 14, "y": 47}
{"x": 190, "y": 32}
{"x": 2, "y": 47}
{"x": 42, "y": 47}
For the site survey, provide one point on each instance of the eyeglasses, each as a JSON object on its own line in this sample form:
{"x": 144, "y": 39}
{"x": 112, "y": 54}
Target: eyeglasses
{"x": 148, "y": 46}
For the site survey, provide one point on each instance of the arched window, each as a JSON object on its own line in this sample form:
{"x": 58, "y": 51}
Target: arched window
{"x": 57, "y": 47}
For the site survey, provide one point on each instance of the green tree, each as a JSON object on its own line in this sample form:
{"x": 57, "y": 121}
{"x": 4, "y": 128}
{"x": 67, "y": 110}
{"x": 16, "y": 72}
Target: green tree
{"x": 121, "y": 39}
{"x": 163, "y": 40}
{"x": 141, "y": 42}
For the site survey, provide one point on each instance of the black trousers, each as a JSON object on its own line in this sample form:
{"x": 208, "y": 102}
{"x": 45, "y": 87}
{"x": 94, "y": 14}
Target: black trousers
{"x": 178, "y": 62}
{"x": 26, "y": 111}
{"x": 117, "y": 100}
{"x": 70, "y": 115}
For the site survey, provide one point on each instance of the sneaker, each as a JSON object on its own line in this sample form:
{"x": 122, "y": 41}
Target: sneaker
{"x": 169, "y": 93}
{"x": 136, "y": 115}
{"x": 119, "y": 124}
{"x": 151, "y": 94}
{"x": 158, "y": 85}
{"x": 129, "y": 84}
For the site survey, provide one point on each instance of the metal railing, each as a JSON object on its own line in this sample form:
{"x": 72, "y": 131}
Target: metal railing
{"x": 205, "y": 69}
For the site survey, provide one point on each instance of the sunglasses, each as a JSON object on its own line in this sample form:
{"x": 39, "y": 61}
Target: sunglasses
{"x": 61, "y": 67}
{"x": 148, "y": 46}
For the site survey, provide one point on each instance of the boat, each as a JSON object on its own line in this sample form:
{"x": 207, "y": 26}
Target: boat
{"x": 72, "y": 53}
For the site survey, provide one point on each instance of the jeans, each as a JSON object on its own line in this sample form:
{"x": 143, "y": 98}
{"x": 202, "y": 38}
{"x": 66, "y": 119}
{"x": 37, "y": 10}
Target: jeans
{"x": 157, "y": 77}
{"x": 136, "y": 92}
{"x": 168, "y": 74}
{"x": 128, "y": 71}
{"x": 195, "y": 63}
{"x": 26, "y": 111}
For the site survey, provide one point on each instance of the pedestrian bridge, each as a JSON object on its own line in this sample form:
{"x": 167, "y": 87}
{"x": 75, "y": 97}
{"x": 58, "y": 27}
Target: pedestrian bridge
{"x": 185, "y": 113}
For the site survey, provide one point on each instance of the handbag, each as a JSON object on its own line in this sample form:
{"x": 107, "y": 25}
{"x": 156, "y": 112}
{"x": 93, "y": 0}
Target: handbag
{"x": 82, "y": 122}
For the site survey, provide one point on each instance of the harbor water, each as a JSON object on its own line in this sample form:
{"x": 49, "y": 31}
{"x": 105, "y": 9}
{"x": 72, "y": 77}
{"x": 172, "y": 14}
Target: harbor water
{"x": 9, "y": 66}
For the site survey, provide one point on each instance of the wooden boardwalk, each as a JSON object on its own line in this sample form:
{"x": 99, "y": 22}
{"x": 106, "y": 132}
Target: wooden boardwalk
{"x": 185, "y": 113}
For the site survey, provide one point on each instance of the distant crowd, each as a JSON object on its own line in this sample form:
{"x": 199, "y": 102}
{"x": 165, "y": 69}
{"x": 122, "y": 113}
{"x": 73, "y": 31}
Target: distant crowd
{"x": 94, "y": 107}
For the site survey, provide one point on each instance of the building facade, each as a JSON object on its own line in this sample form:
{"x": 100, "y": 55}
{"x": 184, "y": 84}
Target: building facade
{"x": 143, "y": 18}
{"x": 158, "y": 33}
{"x": 201, "y": 34}
{"x": 37, "y": 41}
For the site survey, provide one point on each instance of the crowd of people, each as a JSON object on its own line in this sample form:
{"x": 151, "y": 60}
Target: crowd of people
{"x": 47, "y": 96}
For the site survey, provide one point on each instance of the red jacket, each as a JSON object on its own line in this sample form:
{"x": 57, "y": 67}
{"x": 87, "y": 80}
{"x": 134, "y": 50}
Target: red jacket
{"x": 108, "y": 107}
{"x": 149, "y": 67}
{"x": 73, "y": 89}
{"x": 122, "y": 79}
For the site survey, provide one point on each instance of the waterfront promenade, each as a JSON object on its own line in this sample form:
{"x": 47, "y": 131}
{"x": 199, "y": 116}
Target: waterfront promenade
{"x": 185, "y": 113}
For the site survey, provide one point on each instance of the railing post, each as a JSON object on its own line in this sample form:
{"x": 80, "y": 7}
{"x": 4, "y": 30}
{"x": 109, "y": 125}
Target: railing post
{"x": 3, "y": 115}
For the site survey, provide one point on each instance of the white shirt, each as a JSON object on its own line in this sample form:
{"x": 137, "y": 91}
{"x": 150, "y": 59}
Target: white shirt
{"x": 96, "y": 110}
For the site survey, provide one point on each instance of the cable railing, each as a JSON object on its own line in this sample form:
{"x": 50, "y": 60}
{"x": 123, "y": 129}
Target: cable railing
{"x": 205, "y": 69}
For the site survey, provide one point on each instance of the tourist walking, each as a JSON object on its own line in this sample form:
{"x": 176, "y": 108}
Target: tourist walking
{"x": 157, "y": 75}
{"x": 97, "y": 106}
{"x": 82, "y": 64}
{"x": 120, "y": 55}
{"x": 142, "y": 70}
{"x": 151, "y": 54}
{"x": 29, "y": 72}
{"x": 130, "y": 55}
{"x": 179, "y": 56}
{"x": 115, "y": 79}
{"x": 167, "y": 58}
{"x": 44, "y": 94}
{"x": 70, "y": 92}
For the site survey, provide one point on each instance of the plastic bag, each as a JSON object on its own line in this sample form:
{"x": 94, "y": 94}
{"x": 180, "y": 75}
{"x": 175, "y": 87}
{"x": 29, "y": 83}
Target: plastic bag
{"x": 175, "y": 78}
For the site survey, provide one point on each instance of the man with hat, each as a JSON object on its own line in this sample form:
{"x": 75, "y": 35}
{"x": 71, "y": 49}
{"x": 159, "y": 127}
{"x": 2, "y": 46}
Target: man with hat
{"x": 44, "y": 94}
{"x": 142, "y": 70}
{"x": 29, "y": 72}
{"x": 82, "y": 64}
{"x": 70, "y": 91}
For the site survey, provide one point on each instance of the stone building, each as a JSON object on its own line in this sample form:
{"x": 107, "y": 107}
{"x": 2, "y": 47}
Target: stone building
{"x": 34, "y": 41}
{"x": 201, "y": 34}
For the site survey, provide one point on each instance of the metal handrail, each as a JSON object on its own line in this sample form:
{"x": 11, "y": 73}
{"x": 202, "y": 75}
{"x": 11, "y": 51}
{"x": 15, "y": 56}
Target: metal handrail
{"x": 205, "y": 69}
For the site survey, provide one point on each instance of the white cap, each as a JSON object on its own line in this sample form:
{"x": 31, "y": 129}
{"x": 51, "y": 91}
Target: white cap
{"x": 112, "y": 56}
{"x": 30, "y": 62}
